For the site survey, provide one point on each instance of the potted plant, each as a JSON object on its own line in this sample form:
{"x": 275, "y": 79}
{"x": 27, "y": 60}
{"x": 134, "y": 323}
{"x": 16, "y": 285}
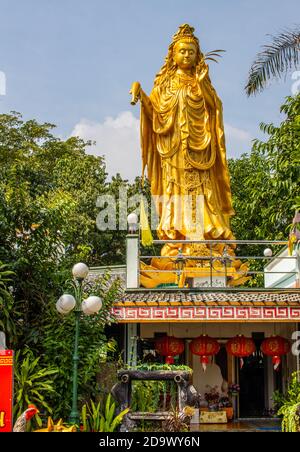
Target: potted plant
{"x": 226, "y": 405}
{"x": 213, "y": 398}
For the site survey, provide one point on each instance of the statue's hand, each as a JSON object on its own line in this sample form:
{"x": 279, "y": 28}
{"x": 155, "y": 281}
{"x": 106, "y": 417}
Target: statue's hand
{"x": 136, "y": 92}
{"x": 203, "y": 73}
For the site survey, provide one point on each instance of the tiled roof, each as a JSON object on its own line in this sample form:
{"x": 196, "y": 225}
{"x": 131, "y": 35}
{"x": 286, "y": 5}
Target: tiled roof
{"x": 238, "y": 298}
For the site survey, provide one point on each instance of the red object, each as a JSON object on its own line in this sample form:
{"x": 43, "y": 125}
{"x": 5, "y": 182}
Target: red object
{"x": 20, "y": 424}
{"x": 169, "y": 346}
{"x": 240, "y": 346}
{"x": 31, "y": 411}
{"x": 6, "y": 390}
{"x": 204, "y": 346}
{"x": 275, "y": 346}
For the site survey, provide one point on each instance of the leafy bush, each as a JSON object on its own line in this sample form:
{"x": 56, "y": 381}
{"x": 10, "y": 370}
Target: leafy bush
{"x": 6, "y": 301}
{"x": 290, "y": 405}
{"x": 33, "y": 383}
{"x": 93, "y": 348}
{"x": 95, "y": 419}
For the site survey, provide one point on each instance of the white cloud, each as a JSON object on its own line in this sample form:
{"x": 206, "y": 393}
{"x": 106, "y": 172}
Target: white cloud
{"x": 118, "y": 140}
{"x": 238, "y": 141}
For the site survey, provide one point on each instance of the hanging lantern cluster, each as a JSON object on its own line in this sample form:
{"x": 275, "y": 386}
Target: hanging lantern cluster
{"x": 240, "y": 346}
{"x": 169, "y": 346}
{"x": 204, "y": 346}
{"x": 275, "y": 346}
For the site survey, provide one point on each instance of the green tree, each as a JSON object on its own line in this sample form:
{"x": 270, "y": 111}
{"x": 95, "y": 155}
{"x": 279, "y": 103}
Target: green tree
{"x": 265, "y": 184}
{"x": 48, "y": 193}
{"x": 94, "y": 348}
{"x": 48, "y": 209}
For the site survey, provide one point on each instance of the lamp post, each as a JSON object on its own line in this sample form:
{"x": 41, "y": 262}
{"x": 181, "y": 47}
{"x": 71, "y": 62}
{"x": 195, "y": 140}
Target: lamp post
{"x": 66, "y": 304}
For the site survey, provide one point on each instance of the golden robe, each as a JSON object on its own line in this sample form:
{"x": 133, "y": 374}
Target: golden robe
{"x": 183, "y": 148}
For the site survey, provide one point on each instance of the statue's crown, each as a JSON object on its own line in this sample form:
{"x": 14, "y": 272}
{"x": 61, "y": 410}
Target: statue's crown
{"x": 185, "y": 32}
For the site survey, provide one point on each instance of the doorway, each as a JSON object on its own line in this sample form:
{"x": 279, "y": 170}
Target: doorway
{"x": 252, "y": 380}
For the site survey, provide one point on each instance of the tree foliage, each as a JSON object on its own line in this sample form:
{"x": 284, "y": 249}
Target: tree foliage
{"x": 265, "y": 183}
{"x": 48, "y": 193}
{"x": 6, "y": 301}
{"x": 48, "y": 209}
{"x": 94, "y": 348}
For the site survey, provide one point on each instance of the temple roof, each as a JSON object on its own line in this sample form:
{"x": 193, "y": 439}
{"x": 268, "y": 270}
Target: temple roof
{"x": 283, "y": 297}
{"x": 209, "y": 306}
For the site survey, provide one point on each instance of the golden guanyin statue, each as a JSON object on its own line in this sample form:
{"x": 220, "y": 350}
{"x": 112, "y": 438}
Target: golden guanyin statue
{"x": 183, "y": 149}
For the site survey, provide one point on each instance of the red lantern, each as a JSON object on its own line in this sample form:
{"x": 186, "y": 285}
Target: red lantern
{"x": 275, "y": 346}
{"x": 204, "y": 346}
{"x": 240, "y": 346}
{"x": 169, "y": 346}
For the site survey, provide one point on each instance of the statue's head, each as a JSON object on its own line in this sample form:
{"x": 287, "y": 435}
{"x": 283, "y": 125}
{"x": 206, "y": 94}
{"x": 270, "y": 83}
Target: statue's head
{"x": 185, "y": 48}
{"x": 184, "y": 52}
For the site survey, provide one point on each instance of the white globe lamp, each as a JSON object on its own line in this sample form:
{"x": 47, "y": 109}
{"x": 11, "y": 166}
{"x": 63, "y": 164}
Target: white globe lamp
{"x": 268, "y": 252}
{"x": 132, "y": 221}
{"x": 65, "y": 304}
{"x": 91, "y": 305}
{"x": 80, "y": 271}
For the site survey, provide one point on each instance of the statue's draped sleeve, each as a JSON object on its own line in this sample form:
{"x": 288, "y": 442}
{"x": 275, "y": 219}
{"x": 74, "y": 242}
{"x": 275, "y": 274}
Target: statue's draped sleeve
{"x": 150, "y": 156}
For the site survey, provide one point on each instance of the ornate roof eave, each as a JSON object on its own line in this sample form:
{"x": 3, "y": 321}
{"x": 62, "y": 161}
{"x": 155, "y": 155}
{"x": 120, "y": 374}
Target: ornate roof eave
{"x": 207, "y": 305}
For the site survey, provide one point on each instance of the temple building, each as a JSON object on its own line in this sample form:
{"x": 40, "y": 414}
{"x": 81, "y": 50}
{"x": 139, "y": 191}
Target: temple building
{"x": 209, "y": 308}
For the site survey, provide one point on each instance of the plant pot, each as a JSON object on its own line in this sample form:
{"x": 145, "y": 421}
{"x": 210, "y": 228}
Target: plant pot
{"x": 229, "y": 412}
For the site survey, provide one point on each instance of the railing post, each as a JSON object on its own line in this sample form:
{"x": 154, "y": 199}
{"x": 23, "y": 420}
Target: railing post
{"x": 132, "y": 261}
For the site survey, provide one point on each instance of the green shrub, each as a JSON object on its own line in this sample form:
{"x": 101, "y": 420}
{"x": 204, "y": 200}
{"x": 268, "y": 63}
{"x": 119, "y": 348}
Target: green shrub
{"x": 95, "y": 419}
{"x": 290, "y": 405}
{"x": 33, "y": 383}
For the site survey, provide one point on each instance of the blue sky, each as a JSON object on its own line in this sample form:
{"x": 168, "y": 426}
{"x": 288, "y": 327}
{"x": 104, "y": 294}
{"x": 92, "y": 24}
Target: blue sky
{"x": 71, "y": 62}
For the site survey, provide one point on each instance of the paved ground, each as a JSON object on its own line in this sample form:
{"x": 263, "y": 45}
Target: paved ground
{"x": 241, "y": 425}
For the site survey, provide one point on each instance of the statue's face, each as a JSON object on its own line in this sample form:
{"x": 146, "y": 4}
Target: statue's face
{"x": 185, "y": 54}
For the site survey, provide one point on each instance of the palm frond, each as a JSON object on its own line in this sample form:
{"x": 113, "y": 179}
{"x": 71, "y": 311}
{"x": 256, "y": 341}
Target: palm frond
{"x": 211, "y": 59}
{"x": 274, "y": 60}
{"x": 216, "y": 53}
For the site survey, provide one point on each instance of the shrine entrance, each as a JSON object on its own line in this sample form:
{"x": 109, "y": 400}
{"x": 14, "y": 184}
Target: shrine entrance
{"x": 252, "y": 380}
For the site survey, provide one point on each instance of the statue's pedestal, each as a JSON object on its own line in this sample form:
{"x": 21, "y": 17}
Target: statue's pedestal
{"x": 216, "y": 274}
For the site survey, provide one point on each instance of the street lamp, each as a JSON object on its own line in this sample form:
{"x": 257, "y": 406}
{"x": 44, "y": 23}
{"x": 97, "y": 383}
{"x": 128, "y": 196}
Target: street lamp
{"x": 66, "y": 304}
{"x": 132, "y": 221}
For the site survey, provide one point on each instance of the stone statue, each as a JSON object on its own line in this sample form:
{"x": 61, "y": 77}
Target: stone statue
{"x": 183, "y": 148}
